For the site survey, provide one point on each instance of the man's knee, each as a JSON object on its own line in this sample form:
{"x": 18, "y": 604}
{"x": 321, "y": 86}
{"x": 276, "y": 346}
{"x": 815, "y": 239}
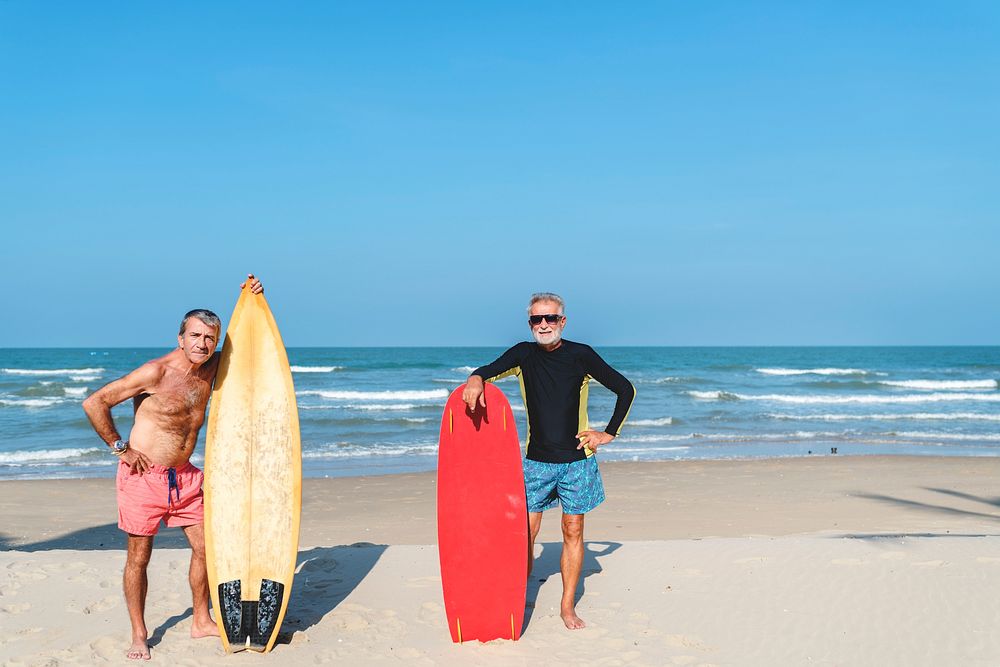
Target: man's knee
{"x": 140, "y": 549}
{"x": 572, "y": 527}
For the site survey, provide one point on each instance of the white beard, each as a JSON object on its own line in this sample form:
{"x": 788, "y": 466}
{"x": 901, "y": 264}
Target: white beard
{"x": 550, "y": 338}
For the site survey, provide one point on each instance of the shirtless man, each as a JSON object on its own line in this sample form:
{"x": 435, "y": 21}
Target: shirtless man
{"x": 156, "y": 480}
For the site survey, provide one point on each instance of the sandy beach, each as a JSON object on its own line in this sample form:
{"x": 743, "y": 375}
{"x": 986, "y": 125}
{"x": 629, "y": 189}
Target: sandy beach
{"x": 799, "y": 561}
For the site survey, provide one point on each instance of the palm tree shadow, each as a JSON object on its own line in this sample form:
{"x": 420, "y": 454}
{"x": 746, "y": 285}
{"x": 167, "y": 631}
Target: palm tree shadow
{"x": 547, "y": 564}
{"x": 324, "y": 576}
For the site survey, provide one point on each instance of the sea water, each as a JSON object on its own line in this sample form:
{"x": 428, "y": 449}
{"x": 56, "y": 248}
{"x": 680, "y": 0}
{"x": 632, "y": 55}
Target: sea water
{"x": 378, "y": 410}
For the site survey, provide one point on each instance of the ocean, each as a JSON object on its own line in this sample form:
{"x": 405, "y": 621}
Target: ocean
{"x": 378, "y": 410}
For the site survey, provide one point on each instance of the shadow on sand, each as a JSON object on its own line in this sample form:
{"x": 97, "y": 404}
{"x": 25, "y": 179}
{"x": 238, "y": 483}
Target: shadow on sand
{"x": 943, "y": 508}
{"x": 106, "y": 537}
{"x": 324, "y": 576}
{"x": 547, "y": 565}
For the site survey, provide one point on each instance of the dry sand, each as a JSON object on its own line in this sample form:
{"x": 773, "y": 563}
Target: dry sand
{"x": 825, "y": 561}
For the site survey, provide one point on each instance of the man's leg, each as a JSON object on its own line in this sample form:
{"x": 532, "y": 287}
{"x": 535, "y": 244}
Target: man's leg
{"x": 571, "y": 563}
{"x": 534, "y": 524}
{"x": 202, "y": 624}
{"x": 135, "y": 584}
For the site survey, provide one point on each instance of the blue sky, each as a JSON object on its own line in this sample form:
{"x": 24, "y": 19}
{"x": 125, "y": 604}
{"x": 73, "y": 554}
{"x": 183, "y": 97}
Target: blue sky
{"x": 408, "y": 173}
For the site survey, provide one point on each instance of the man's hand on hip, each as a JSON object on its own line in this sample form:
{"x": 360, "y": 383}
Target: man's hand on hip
{"x": 136, "y": 460}
{"x": 593, "y": 439}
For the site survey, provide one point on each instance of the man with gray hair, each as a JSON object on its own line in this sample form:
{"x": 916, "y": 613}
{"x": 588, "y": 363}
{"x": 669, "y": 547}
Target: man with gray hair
{"x": 155, "y": 480}
{"x": 559, "y": 466}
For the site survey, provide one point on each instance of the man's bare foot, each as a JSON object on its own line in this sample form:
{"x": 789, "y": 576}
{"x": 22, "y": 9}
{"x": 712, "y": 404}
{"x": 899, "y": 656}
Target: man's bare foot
{"x": 139, "y": 650}
{"x": 204, "y": 629}
{"x": 572, "y": 621}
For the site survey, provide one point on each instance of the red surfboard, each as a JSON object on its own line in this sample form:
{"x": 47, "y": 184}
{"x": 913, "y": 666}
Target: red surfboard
{"x": 482, "y": 519}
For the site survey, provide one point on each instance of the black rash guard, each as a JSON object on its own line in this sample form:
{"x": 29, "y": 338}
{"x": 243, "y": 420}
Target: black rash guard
{"x": 554, "y": 388}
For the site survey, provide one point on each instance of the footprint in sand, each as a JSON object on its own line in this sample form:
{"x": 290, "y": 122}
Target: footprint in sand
{"x": 104, "y": 604}
{"x": 423, "y": 582}
{"x": 17, "y": 608}
{"x": 685, "y": 641}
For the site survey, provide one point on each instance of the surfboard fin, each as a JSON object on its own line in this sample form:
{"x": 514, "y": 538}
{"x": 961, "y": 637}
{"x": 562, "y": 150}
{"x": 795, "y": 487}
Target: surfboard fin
{"x": 250, "y": 623}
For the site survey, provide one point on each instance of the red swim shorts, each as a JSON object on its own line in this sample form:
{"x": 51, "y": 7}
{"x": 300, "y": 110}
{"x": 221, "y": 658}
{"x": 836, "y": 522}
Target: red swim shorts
{"x": 161, "y": 494}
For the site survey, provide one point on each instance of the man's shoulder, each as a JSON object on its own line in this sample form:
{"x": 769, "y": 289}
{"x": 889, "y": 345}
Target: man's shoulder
{"x": 577, "y": 348}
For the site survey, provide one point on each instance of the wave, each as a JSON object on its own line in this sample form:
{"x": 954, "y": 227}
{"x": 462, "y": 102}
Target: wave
{"x": 316, "y": 369}
{"x": 665, "y": 380}
{"x": 814, "y": 371}
{"x": 663, "y": 421}
{"x": 52, "y": 371}
{"x": 367, "y": 406}
{"x": 465, "y": 369}
{"x": 734, "y": 437}
{"x": 47, "y": 455}
{"x": 864, "y": 398}
{"x": 75, "y": 391}
{"x": 924, "y": 435}
{"x": 30, "y": 402}
{"x": 348, "y": 450}
{"x": 918, "y": 416}
{"x": 376, "y": 395}
{"x": 941, "y": 384}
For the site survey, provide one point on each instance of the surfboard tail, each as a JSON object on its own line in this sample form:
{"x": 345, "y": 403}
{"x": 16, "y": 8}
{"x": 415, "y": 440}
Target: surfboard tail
{"x": 250, "y": 624}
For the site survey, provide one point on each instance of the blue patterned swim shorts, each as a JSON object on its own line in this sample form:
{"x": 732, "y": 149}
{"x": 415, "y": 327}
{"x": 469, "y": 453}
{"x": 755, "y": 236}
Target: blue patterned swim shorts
{"x": 577, "y": 485}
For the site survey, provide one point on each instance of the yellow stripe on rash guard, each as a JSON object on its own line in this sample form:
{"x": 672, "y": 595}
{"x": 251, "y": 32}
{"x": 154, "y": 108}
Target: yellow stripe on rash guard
{"x": 520, "y": 380}
{"x": 583, "y": 423}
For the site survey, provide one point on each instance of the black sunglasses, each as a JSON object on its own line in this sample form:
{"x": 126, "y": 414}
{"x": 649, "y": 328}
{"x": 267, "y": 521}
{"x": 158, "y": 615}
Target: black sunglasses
{"x": 537, "y": 319}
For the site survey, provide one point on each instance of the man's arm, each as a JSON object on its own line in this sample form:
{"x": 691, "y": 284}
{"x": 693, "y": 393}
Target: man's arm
{"x": 98, "y": 408}
{"x": 599, "y": 369}
{"x": 505, "y": 364}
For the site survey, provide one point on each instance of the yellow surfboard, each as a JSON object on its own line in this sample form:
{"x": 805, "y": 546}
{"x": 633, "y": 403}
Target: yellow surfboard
{"x": 253, "y": 480}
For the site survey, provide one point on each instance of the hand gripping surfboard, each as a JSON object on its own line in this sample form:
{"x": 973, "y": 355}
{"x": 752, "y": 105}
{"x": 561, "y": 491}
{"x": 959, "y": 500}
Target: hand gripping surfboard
{"x": 482, "y": 519}
{"x": 253, "y": 480}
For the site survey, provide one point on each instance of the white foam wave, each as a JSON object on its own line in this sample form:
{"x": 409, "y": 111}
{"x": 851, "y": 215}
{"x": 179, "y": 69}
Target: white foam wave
{"x": 916, "y": 416}
{"x": 52, "y": 371}
{"x": 663, "y": 421}
{"x": 812, "y": 371}
{"x": 345, "y": 451}
{"x": 75, "y": 391}
{"x": 9, "y": 458}
{"x": 464, "y": 369}
{"x": 941, "y": 384}
{"x": 377, "y": 395}
{"x": 733, "y": 437}
{"x": 861, "y": 398}
{"x": 667, "y": 380}
{"x": 925, "y": 435}
{"x": 30, "y": 402}
{"x": 316, "y": 369}
{"x": 366, "y": 406}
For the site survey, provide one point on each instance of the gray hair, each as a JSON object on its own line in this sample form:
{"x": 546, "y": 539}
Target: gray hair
{"x": 206, "y": 316}
{"x": 548, "y": 296}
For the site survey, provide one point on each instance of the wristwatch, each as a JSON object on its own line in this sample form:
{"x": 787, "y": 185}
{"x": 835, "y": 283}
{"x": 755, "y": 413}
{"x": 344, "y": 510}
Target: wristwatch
{"x": 120, "y": 447}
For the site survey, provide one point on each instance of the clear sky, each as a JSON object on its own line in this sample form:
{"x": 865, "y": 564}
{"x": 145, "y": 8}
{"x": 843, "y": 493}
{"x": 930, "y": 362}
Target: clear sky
{"x": 684, "y": 173}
